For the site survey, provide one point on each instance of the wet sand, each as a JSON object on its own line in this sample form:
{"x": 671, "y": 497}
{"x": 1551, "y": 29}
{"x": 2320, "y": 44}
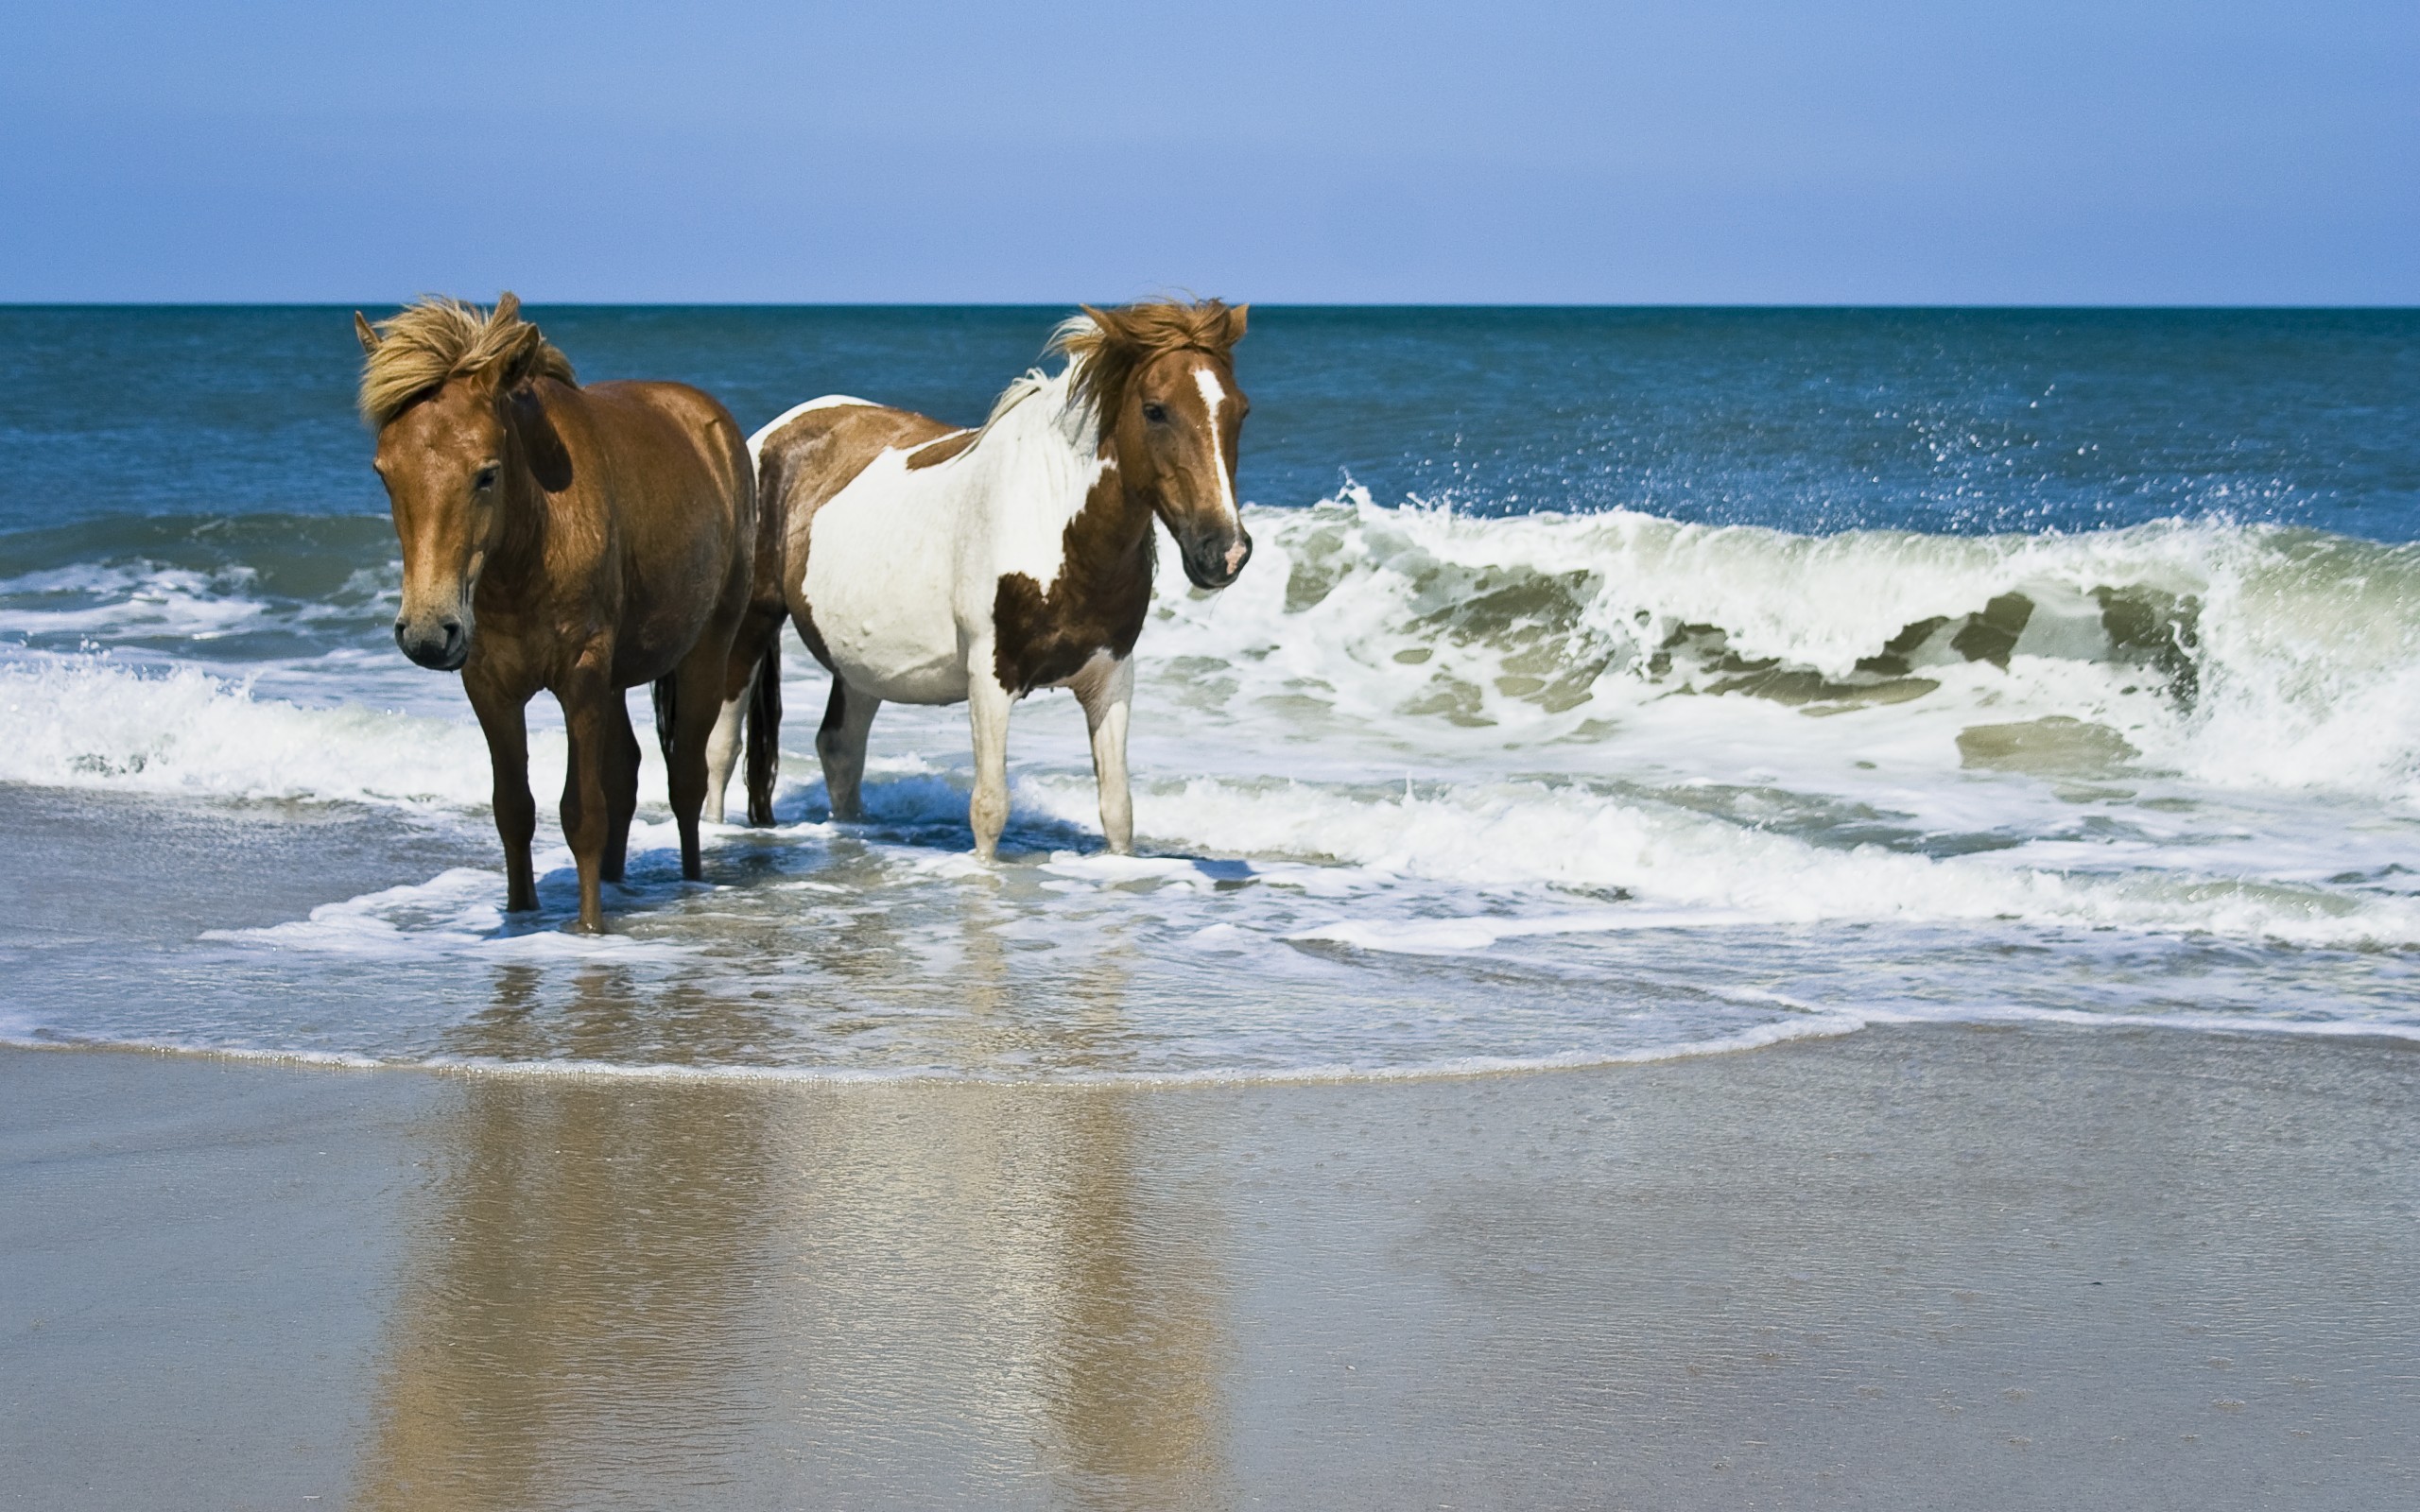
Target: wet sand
{"x": 1910, "y": 1267}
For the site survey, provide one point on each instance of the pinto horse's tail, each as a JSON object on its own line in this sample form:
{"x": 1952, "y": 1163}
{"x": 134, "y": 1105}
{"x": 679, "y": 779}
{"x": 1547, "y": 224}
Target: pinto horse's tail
{"x": 765, "y": 731}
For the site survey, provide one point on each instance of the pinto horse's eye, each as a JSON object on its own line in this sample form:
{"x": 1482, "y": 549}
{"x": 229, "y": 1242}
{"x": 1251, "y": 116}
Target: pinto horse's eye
{"x": 1156, "y": 414}
{"x": 485, "y": 479}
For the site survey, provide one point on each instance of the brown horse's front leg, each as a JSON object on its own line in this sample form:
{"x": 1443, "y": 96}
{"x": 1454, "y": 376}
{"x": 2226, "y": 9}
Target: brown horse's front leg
{"x": 587, "y": 811}
{"x": 516, "y": 812}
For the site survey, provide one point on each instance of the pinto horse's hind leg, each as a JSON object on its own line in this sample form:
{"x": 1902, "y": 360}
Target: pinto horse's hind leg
{"x": 1106, "y": 689}
{"x": 848, "y": 719}
{"x": 722, "y": 752}
{"x": 621, "y": 786}
{"x": 752, "y": 705}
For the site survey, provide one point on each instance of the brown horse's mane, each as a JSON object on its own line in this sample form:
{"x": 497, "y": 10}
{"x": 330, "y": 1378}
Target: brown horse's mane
{"x": 437, "y": 339}
{"x": 1105, "y": 348}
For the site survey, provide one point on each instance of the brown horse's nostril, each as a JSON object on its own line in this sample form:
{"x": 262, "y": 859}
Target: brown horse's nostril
{"x": 442, "y": 646}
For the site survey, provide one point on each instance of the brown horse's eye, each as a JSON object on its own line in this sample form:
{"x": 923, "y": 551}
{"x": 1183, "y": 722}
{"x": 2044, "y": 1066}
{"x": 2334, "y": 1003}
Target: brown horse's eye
{"x": 485, "y": 479}
{"x": 1156, "y": 414}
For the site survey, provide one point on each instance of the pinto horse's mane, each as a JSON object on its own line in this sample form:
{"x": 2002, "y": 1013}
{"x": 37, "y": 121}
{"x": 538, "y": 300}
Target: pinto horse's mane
{"x": 437, "y": 339}
{"x": 1105, "y": 348}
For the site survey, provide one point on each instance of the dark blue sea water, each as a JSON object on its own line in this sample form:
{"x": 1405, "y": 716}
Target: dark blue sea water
{"x": 1965, "y": 421}
{"x": 1606, "y": 683}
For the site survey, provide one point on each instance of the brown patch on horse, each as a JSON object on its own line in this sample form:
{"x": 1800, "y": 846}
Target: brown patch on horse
{"x": 1099, "y": 603}
{"x": 942, "y": 451}
{"x": 414, "y": 354}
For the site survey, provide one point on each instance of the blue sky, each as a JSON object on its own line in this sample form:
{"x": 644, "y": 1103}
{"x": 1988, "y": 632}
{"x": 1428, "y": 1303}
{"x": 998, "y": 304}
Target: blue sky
{"x": 1617, "y": 153}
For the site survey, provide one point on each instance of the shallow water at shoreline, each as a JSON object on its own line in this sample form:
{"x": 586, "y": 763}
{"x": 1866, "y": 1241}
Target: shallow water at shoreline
{"x": 1626, "y": 684}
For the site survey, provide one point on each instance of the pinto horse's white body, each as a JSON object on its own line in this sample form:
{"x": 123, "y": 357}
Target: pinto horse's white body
{"x": 929, "y": 565}
{"x": 903, "y": 564}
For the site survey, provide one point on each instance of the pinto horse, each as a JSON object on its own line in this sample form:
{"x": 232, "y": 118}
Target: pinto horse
{"x": 924, "y": 563}
{"x": 577, "y": 539}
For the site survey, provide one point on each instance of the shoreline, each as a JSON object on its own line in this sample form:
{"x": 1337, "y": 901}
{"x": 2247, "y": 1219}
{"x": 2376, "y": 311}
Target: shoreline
{"x": 1908, "y": 1265}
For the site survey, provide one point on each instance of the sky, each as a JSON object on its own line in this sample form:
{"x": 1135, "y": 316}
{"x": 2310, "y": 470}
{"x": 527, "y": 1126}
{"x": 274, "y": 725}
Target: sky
{"x": 1676, "y": 151}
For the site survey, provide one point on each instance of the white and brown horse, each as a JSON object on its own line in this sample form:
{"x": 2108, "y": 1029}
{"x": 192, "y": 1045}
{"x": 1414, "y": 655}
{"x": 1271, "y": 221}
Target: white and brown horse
{"x": 579, "y": 540}
{"x": 924, "y": 563}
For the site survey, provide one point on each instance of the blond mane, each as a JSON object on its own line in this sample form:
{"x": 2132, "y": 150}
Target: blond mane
{"x": 438, "y": 339}
{"x": 1105, "y": 348}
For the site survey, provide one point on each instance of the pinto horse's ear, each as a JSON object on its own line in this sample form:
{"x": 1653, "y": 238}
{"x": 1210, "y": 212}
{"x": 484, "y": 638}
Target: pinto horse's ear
{"x": 549, "y": 459}
{"x": 368, "y": 338}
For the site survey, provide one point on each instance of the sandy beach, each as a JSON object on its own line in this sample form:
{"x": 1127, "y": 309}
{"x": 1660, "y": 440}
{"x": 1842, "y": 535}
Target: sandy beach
{"x": 1907, "y": 1267}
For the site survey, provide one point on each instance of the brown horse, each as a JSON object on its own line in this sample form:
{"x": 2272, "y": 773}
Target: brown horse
{"x": 927, "y": 564}
{"x": 582, "y": 541}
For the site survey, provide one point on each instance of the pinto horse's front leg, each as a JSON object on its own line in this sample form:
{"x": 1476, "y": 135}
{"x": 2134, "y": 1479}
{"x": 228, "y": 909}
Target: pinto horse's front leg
{"x": 501, "y": 719}
{"x": 588, "y": 816}
{"x": 987, "y": 708}
{"x": 1106, "y": 689}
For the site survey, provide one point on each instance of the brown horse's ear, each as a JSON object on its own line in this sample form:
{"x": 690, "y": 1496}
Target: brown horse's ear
{"x": 1238, "y": 317}
{"x": 508, "y": 304}
{"x": 368, "y": 338}
{"x": 549, "y": 460}
{"x": 521, "y": 356}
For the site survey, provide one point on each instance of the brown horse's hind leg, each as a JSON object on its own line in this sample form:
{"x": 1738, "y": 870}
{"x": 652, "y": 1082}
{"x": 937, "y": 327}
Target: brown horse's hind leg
{"x": 848, "y": 719}
{"x": 516, "y": 812}
{"x": 622, "y": 786}
{"x": 697, "y": 703}
{"x": 587, "y": 811}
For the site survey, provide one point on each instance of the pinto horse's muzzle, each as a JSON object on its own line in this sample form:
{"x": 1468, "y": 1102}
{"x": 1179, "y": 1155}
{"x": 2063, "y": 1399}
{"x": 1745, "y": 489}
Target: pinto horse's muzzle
{"x": 1213, "y": 562}
{"x": 441, "y": 645}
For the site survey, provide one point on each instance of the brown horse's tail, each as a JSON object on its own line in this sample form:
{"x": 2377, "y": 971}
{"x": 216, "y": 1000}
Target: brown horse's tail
{"x": 765, "y": 731}
{"x": 666, "y": 701}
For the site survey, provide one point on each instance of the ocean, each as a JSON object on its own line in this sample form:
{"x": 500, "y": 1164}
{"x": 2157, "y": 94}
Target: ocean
{"x": 1606, "y": 685}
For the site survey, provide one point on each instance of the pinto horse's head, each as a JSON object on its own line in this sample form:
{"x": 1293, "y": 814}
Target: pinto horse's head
{"x": 1161, "y": 378}
{"x": 448, "y": 388}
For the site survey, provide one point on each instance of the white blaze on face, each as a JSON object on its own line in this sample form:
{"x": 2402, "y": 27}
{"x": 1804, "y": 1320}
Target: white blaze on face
{"x": 1214, "y": 394}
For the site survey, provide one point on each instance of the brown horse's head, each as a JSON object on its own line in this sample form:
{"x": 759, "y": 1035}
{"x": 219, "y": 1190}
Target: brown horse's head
{"x": 1161, "y": 377}
{"x": 447, "y": 387}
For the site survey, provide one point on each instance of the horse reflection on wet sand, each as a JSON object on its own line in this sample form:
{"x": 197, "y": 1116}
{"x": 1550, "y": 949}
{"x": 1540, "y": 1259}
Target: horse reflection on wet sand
{"x": 577, "y": 539}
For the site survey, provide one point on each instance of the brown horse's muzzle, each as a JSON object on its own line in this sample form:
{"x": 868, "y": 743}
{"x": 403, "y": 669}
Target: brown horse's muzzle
{"x": 439, "y": 642}
{"x": 1214, "y": 558}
